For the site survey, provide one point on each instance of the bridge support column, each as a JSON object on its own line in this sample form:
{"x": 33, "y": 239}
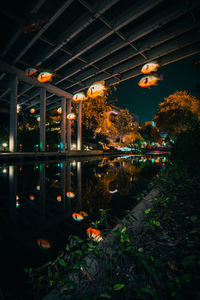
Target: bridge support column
{"x": 63, "y": 125}
{"x": 13, "y": 114}
{"x": 68, "y": 126}
{"x": 42, "y": 119}
{"x": 79, "y": 127}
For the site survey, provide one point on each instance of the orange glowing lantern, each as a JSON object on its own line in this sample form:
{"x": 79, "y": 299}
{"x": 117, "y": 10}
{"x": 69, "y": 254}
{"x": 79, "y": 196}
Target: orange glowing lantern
{"x": 32, "y": 197}
{"x": 17, "y": 197}
{"x": 79, "y": 97}
{"x": 150, "y": 67}
{"x": 71, "y": 116}
{"x": 59, "y": 110}
{"x": 30, "y": 72}
{"x": 32, "y": 110}
{"x": 95, "y": 234}
{"x": 59, "y": 198}
{"x": 83, "y": 213}
{"x": 44, "y": 244}
{"x": 38, "y": 187}
{"x": 70, "y": 195}
{"x": 77, "y": 217}
{"x": 38, "y": 119}
{"x": 45, "y": 76}
{"x": 97, "y": 89}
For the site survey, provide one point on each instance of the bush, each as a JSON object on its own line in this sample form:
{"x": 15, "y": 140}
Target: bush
{"x": 185, "y": 151}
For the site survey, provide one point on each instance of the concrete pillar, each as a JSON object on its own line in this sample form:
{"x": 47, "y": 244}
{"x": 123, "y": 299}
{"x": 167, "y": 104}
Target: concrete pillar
{"x": 42, "y": 195}
{"x": 42, "y": 119}
{"x": 79, "y": 185}
{"x": 79, "y": 127}
{"x": 12, "y": 192}
{"x": 13, "y": 114}
{"x": 68, "y": 126}
{"x": 63, "y": 185}
{"x": 63, "y": 125}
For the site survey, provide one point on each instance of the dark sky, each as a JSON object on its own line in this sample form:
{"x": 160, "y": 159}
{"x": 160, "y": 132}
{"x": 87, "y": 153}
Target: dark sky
{"x": 181, "y": 75}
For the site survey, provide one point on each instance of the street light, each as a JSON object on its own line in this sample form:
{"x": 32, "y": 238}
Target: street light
{"x": 5, "y": 145}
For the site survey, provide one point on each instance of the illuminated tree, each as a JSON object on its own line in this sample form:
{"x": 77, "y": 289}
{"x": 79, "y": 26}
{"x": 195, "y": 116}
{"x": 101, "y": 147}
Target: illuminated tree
{"x": 177, "y": 112}
{"x": 132, "y": 137}
{"x": 124, "y": 122}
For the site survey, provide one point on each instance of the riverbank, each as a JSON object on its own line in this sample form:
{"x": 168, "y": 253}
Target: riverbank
{"x": 159, "y": 262}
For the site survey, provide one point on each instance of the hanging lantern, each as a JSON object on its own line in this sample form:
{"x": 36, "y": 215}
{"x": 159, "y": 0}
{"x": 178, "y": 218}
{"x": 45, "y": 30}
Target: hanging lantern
{"x": 97, "y": 89}
{"x": 32, "y": 110}
{"x": 31, "y": 197}
{"x": 59, "y": 110}
{"x": 38, "y": 119}
{"x": 38, "y": 187}
{"x": 30, "y": 72}
{"x": 44, "y": 244}
{"x": 71, "y": 116}
{"x": 45, "y": 76}
{"x": 79, "y": 97}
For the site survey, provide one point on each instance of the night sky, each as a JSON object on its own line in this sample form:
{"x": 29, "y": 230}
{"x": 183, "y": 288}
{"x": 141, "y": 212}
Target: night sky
{"x": 181, "y": 75}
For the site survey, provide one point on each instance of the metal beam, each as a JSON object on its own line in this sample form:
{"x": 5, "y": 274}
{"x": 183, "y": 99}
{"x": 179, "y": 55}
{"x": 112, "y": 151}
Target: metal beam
{"x": 13, "y": 114}
{"x": 63, "y": 124}
{"x": 7, "y": 68}
{"x": 75, "y": 29}
{"x": 79, "y": 126}
{"x": 46, "y": 26}
{"x": 42, "y": 119}
{"x": 163, "y": 49}
{"x": 68, "y": 126}
{"x": 146, "y": 44}
{"x": 125, "y": 18}
{"x": 140, "y": 31}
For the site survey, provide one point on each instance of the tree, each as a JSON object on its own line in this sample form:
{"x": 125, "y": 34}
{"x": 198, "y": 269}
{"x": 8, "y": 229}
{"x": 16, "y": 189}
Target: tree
{"x": 132, "y": 137}
{"x": 177, "y": 112}
{"x": 150, "y": 134}
{"x": 124, "y": 122}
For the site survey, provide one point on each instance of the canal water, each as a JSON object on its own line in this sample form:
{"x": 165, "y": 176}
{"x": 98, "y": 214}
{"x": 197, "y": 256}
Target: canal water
{"x": 34, "y": 206}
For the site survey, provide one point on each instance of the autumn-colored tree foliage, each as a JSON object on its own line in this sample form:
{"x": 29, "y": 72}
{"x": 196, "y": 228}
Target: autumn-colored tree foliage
{"x": 132, "y": 137}
{"x": 177, "y": 112}
{"x": 124, "y": 122}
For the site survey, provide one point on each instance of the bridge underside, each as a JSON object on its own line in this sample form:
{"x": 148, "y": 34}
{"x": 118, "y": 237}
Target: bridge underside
{"x": 85, "y": 41}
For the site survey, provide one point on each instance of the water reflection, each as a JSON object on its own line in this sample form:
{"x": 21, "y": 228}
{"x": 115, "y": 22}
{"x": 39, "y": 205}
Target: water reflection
{"x": 40, "y": 203}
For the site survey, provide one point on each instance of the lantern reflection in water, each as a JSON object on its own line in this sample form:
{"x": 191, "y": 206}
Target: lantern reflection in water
{"x": 59, "y": 198}
{"x": 70, "y": 195}
{"x": 77, "y": 217}
{"x": 95, "y": 234}
{"x": 44, "y": 244}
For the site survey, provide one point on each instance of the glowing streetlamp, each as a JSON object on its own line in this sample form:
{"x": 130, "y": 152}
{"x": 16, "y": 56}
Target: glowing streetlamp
{"x": 5, "y": 145}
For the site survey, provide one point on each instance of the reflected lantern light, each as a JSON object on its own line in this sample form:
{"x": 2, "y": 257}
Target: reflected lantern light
{"x": 32, "y": 110}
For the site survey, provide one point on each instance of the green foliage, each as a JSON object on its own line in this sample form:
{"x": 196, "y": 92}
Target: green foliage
{"x": 177, "y": 112}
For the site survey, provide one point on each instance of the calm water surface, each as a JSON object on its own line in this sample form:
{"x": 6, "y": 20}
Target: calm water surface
{"x": 34, "y": 205}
